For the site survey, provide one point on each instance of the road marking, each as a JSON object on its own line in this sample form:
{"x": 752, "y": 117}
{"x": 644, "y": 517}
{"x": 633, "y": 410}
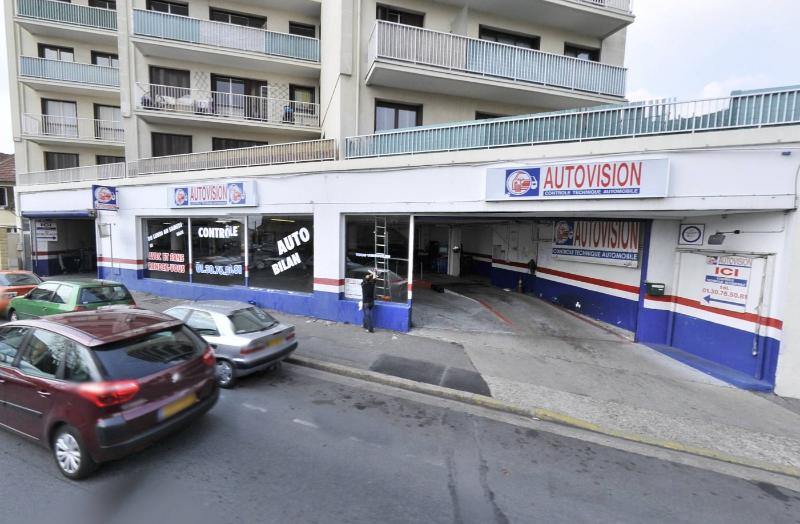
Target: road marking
{"x": 256, "y": 408}
{"x": 305, "y": 423}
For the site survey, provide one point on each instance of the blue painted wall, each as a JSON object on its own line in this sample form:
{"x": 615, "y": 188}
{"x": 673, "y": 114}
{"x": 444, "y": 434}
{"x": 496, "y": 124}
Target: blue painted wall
{"x": 508, "y": 279}
{"x": 328, "y": 306}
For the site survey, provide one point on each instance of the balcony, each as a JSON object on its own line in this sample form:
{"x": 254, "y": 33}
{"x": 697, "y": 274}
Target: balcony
{"x": 595, "y": 18}
{"x": 67, "y": 77}
{"x": 52, "y": 18}
{"x": 167, "y": 36}
{"x": 276, "y": 154}
{"x": 739, "y": 111}
{"x": 58, "y": 130}
{"x": 207, "y": 108}
{"x": 409, "y": 57}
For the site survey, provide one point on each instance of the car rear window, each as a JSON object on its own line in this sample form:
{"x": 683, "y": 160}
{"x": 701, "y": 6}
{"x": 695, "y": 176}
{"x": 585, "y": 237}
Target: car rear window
{"x": 19, "y": 279}
{"x": 139, "y": 357}
{"x": 100, "y": 294}
{"x": 250, "y": 320}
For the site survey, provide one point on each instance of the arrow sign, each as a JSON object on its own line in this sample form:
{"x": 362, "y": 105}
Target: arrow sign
{"x": 709, "y": 300}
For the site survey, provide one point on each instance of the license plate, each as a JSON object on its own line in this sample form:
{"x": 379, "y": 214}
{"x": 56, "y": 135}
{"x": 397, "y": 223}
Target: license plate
{"x": 177, "y": 406}
{"x": 274, "y": 342}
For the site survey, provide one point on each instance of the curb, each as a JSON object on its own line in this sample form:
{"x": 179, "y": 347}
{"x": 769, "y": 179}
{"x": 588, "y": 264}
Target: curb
{"x": 535, "y": 413}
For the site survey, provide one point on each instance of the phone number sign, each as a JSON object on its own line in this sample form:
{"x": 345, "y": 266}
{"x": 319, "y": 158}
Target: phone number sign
{"x": 726, "y": 282}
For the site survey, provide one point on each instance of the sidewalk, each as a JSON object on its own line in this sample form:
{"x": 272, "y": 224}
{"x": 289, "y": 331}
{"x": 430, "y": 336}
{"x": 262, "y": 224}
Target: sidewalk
{"x": 539, "y": 356}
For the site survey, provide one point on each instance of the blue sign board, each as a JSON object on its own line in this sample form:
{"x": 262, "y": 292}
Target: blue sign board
{"x": 216, "y": 194}
{"x": 105, "y": 198}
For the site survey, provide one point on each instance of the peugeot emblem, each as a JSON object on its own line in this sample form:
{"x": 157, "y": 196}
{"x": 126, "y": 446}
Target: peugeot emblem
{"x": 176, "y": 377}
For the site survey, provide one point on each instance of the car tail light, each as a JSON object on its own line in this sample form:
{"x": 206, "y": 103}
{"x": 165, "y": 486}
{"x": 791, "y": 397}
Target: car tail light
{"x": 80, "y": 308}
{"x": 208, "y": 357}
{"x": 105, "y": 394}
{"x": 251, "y": 349}
{"x": 290, "y": 336}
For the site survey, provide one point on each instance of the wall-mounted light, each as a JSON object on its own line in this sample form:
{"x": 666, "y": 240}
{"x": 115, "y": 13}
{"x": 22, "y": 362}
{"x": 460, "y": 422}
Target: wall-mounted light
{"x": 719, "y": 237}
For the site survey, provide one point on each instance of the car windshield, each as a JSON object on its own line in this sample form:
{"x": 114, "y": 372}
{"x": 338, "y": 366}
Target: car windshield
{"x": 99, "y": 294}
{"x": 139, "y": 357}
{"x": 250, "y": 320}
{"x": 19, "y": 279}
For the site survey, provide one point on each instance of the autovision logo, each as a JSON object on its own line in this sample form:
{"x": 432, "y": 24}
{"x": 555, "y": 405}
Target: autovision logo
{"x": 522, "y": 182}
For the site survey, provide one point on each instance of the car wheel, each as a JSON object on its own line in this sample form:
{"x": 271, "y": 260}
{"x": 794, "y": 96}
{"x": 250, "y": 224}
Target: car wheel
{"x": 12, "y": 316}
{"x": 71, "y": 456}
{"x": 226, "y": 377}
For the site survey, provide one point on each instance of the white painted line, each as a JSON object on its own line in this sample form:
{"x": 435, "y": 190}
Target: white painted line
{"x": 256, "y": 408}
{"x": 305, "y": 423}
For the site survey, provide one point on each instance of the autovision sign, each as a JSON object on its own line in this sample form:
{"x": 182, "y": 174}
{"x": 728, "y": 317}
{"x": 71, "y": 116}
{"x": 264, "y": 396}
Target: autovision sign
{"x": 580, "y": 180}
{"x": 216, "y": 194}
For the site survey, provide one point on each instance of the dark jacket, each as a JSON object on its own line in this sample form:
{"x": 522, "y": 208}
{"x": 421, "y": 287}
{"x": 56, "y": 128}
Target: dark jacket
{"x": 368, "y": 292}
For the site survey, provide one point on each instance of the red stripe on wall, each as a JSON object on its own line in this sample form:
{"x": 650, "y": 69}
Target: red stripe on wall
{"x": 588, "y": 280}
{"x": 749, "y": 317}
{"x": 509, "y": 263}
{"x": 329, "y": 281}
{"x": 120, "y": 260}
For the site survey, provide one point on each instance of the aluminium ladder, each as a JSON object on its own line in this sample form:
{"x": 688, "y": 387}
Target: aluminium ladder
{"x": 382, "y": 284}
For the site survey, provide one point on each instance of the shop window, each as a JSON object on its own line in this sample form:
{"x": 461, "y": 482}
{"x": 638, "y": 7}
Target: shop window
{"x": 583, "y": 53}
{"x": 218, "y": 251}
{"x": 377, "y": 243}
{"x": 166, "y": 250}
{"x": 297, "y": 28}
{"x": 281, "y": 252}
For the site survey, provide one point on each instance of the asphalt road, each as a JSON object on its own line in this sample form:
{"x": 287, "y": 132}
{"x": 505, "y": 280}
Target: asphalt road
{"x": 296, "y": 446}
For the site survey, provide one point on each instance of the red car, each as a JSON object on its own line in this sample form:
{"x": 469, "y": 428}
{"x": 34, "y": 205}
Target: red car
{"x": 97, "y": 385}
{"x": 15, "y": 283}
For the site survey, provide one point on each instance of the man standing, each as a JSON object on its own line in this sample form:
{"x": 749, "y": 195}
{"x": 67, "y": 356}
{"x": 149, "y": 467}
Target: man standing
{"x": 368, "y": 300}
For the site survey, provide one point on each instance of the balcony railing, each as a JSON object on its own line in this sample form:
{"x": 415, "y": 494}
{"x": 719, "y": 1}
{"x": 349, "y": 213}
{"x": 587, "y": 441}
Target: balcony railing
{"x": 68, "y": 13}
{"x": 45, "y": 69}
{"x": 489, "y": 59}
{"x": 752, "y": 109}
{"x": 241, "y": 108}
{"x": 69, "y": 127}
{"x": 291, "y": 153}
{"x": 616, "y": 5}
{"x": 227, "y": 36}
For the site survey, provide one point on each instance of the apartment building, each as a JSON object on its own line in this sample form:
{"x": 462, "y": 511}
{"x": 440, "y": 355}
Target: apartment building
{"x": 274, "y": 151}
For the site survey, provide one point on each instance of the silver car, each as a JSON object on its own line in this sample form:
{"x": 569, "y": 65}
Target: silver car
{"x": 245, "y": 338}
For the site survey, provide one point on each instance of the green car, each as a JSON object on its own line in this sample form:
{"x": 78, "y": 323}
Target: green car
{"x": 56, "y": 296}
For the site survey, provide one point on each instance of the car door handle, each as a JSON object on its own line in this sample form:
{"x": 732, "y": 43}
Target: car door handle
{"x": 43, "y": 393}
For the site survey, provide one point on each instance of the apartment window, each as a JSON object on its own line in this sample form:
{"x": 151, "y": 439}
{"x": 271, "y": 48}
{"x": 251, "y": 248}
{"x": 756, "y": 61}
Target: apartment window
{"x": 504, "y": 37}
{"x": 389, "y": 115}
{"x": 169, "y": 77}
{"x": 108, "y": 159}
{"x": 304, "y": 98}
{"x": 105, "y": 4}
{"x": 54, "y": 52}
{"x": 54, "y": 160}
{"x": 239, "y": 97}
{"x": 400, "y": 16}
{"x": 108, "y": 123}
{"x": 164, "y": 144}
{"x": 59, "y": 118}
{"x": 481, "y": 115}
{"x": 219, "y": 144}
{"x": 3, "y": 197}
{"x": 228, "y": 17}
{"x": 166, "y": 86}
{"x": 173, "y": 8}
{"x": 297, "y": 28}
{"x": 583, "y": 53}
{"x": 105, "y": 59}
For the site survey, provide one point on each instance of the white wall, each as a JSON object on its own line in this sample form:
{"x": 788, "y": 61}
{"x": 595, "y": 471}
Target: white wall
{"x": 788, "y": 305}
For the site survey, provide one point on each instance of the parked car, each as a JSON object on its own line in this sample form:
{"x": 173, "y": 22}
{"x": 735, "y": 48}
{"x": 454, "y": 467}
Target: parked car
{"x": 94, "y": 386}
{"x": 245, "y": 338}
{"x": 56, "y": 296}
{"x": 14, "y": 284}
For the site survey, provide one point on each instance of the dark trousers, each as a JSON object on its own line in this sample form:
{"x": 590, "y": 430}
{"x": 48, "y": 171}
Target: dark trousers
{"x": 368, "y": 317}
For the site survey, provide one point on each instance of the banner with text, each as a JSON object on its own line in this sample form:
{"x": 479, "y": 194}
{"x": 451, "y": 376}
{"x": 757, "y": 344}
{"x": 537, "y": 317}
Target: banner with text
{"x": 610, "y": 242}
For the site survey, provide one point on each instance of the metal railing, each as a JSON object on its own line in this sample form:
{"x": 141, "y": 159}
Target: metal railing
{"x": 68, "y": 13}
{"x": 743, "y": 110}
{"x": 71, "y": 127}
{"x": 290, "y": 153}
{"x": 202, "y": 102}
{"x": 616, "y": 5}
{"x": 46, "y": 69}
{"x": 228, "y": 36}
{"x": 489, "y": 59}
